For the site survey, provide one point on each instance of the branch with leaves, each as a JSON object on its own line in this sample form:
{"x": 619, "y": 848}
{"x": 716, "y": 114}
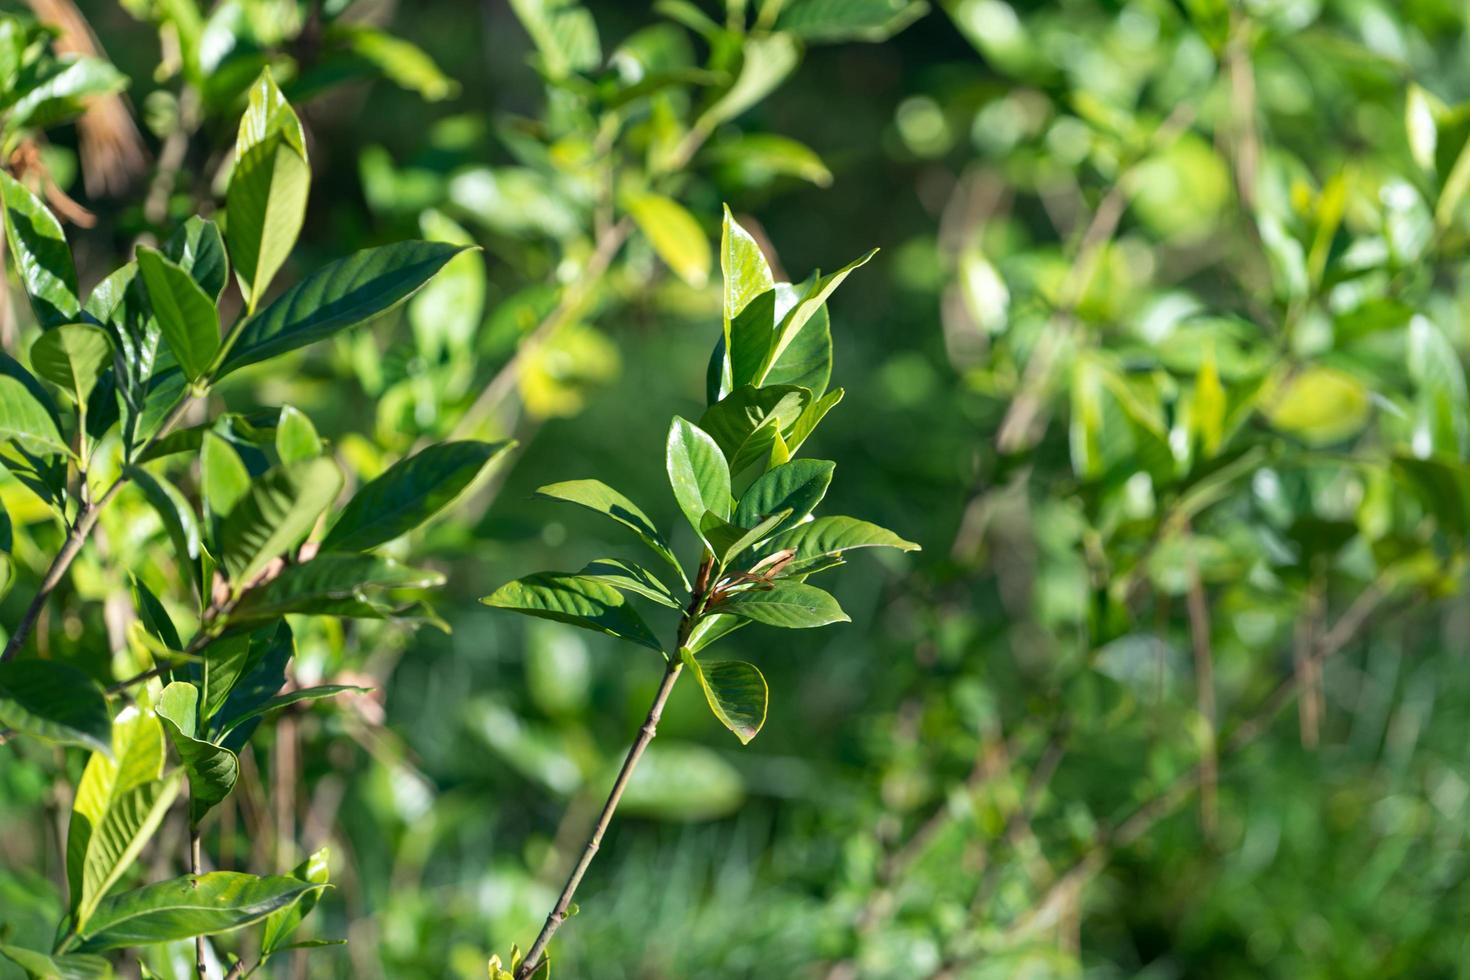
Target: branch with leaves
{"x": 737, "y": 479}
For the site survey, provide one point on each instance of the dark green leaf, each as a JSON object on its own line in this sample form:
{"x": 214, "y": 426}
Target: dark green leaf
{"x": 603, "y": 499}
{"x": 408, "y": 493}
{"x": 25, "y": 421}
{"x": 797, "y": 486}
{"x": 212, "y": 769}
{"x": 736, "y": 693}
{"x": 574, "y": 599}
{"x": 199, "y": 249}
{"x": 340, "y": 295}
{"x": 56, "y": 701}
{"x": 275, "y": 516}
{"x": 629, "y": 577}
{"x": 746, "y": 422}
{"x": 317, "y": 693}
{"x": 41, "y": 254}
{"x": 834, "y": 535}
{"x": 793, "y": 605}
{"x": 280, "y": 925}
{"x": 332, "y": 585}
{"x": 185, "y": 313}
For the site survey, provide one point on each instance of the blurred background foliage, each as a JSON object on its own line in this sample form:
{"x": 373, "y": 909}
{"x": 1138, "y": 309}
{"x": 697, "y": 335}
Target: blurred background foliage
{"x": 1161, "y": 363}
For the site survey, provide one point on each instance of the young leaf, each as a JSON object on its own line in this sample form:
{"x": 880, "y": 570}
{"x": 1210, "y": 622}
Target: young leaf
{"x": 603, "y": 499}
{"x": 792, "y": 325}
{"x": 806, "y": 360}
{"x": 185, "y": 313}
{"x": 194, "y": 905}
{"x": 766, "y": 61}
{"x": 296, "y": 438}
{"x": 797, "y": 486}
{"x": 342, "y": 294}
{"x": 746, "y": 423}
{"x": 72, "y": 357}
{"x": 212, "y": 769}
{"x": 54, "y": 700}
{"x": 793, "y": 605}
{"x": 25, "y": 421}
{"x": 266, "y": 199}
{"x": 810, "y": 418}
{"x": 176, "y": 514}
{"x": 279, "y": 925}
{"x": 224, "y": 662}
{"x": 674, "y": 235}
{"x": 120, "y": 801}
{"x": 746, "y": 274}
{"x": 408, "y": 493}
{"x": 629, "y": 577}
{"x": 41, "y": 254}
{"x": 736, "y": 693}
{"x": 223, "y": 477}
{"x": 575, "y": 599}
{"x": 697, "y": 472}
{"x": 198, "y": 248}
{"x": 275, "y": 516}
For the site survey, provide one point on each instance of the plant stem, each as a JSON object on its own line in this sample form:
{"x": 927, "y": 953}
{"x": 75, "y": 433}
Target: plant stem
{"x": 196, "y": 868}
{"x": 559, "y": 913}
{"x": 80, "y": 530}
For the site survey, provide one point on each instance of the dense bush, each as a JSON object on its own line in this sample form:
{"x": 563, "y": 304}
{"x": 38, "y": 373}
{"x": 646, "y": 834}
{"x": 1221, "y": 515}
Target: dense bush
{"x": 1160, "y": 362}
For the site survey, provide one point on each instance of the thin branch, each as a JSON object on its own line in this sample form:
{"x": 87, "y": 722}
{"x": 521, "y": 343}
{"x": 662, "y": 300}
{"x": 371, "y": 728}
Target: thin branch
{"x": 560, "y": 911}
{"x": 196, "y": 868}
{"x": 81, "y": 529}
{"x": 1017, "y": 428}
{"x": 1137, "y": 822}
{"x": 1204, "y": 692}
{"x": 608, "y": 242}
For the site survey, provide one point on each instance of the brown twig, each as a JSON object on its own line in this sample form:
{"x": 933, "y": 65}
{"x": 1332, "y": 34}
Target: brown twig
{"x": 560, "y": 911}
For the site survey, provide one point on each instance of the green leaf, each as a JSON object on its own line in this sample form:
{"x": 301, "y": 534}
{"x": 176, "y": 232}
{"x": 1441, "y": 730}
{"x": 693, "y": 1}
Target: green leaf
{"x": 296, "y": 438}
{"x": 72, "y": 357}
{"x": 810, "y": 418}
{"x": 833, "y": 21}
{"x": 223, "y": 477}
{"x": 1441, "y": 413}
{"x": 194, "y": 905}
{"x": 736, "y": 693}
{"x": 727, "y": 540}
{"x": 185, "y": 313}
{"x": 225, "y": 661}
{"x": 755, "y": 159}
{"x": 280, "y": 925}
{"x": 746, "y": 422}
{"x": 332, "y": 584}
{"x": 61, "y": 93}
{"x": 746, "y": 276}
{"x": 797, "y": 486}
{"x": 408, "y": 493}
{"x": 793, "y": 605}
{"x": 198, "y": 248}
{"x": 796, "y": 319}
{"x": 41, "y": 255}
{"x": 575, "y": 599}
{"x": 564, "y": 33}
{"x": 275, "y": 516}
{"x": 120, "y": 801}
{"x": 266, "y": 199}
{"x": 828, "y": 536}
{"x": 766, "y": 62}
{"x": 342, "y": 294}
{"x": 212, "y": 769}
{"x": 70, "y": 966}
{"x": 318, "y": 693}
{"x": 697, "y": 472}
{"x": 674, "y": 235}
{"x": 176, "y": 515}
{"x": 710, "y": 628}
{"x": 1321, "y": 405}
{"x": 807, "y": 359}
{"x": 628, "y": 577}
{"x": 403, "y": 63}
{"x": 603, "y": 499}
{"x": 54, "y": 700}
{"x": 25, "y": 421}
